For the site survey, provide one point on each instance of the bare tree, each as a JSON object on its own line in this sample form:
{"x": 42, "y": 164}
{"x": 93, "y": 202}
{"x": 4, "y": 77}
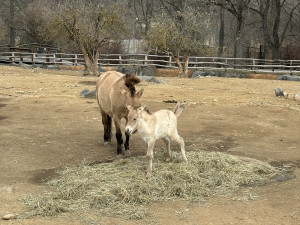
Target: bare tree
{"x": 276, "y": 17}
{"x": 33, "y": 22}
{"x": 237, "y": 8}
{"x": 178, "y": 35}
{"x": 143, "y": 10}
{"x": 90, "y": 24}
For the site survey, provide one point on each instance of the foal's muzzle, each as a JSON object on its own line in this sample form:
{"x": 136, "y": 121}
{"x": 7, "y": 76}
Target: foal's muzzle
{"x": 129, "y": 130}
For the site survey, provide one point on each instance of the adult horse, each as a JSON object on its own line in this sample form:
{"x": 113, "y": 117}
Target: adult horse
{"x": 114, "y": 91}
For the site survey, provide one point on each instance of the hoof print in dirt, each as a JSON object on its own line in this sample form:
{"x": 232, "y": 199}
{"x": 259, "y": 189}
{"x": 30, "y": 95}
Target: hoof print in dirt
{"x": 169, "y": 101}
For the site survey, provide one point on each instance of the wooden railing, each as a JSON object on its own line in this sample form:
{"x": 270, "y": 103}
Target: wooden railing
{"x": 159, "y": 61}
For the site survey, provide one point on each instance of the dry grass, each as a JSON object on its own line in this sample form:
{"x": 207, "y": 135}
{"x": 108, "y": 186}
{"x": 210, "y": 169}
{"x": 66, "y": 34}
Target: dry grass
{"x": 120, "y": 188}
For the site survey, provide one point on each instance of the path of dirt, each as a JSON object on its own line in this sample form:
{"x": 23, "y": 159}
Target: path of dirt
{"x": 45, "y": 125}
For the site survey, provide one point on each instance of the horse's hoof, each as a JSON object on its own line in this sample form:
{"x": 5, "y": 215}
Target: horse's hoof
{"x": 106, "y": 143}
{"x": 119, "y": 156}
{"x": 127, "y": 153}
{"x": 168, "y": 159}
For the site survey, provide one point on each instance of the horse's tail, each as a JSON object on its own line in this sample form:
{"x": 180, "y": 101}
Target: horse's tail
{"x": 178, "y": 109}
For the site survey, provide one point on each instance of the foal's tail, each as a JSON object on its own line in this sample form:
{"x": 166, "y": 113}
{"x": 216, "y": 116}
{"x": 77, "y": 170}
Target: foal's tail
{"x": 178, "y": 109}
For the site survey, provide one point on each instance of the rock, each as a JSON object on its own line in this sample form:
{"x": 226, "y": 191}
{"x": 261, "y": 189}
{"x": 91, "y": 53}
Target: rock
{"x": 139, "y": 70}
{"x": 100, "y": 69}
{"x": 9, "y": 216}
{"x": 84, "y": 92}
{"x": 24, "y": 65}
{"x": 198, "y": 73}
{"x": 53, "y": 67}
{"x": 91, "y": 94}
{"x": 289, "y": 77}
{"x": 297, "y": 97}
{"x": 127, "y": 70}
{"x": 145, "y": 78}
{"x": 278, "y": 92}
{"x": 147, "y": 71}
{"x": 154, "y": 80}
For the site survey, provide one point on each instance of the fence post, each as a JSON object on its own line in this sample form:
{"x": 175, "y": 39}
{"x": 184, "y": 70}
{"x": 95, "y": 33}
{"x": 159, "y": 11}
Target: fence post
{"x": 21, "y": 55}
{"x": 170, "y": 61}
{"x": 120, "y": 58}
{"x": 253, "y": 63}
{"x": 146, "y": 60}
{"x": 12, "y": 58}
{"x": 75, "y": 60}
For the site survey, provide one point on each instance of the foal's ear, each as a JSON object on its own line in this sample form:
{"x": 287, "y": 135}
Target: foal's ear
{"x": 140, "y": 93}
{"x": 140, "y": 109}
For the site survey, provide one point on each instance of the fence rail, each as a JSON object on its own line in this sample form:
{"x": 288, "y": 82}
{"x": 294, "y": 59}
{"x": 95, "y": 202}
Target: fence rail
{"x": 159, "y": 61}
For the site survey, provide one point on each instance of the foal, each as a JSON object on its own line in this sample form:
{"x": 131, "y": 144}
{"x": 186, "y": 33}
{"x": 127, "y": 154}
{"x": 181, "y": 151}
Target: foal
{"x": 161, "y": 124}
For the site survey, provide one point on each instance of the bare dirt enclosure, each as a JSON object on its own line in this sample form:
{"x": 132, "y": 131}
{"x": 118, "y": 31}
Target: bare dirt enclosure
{"x": 45, "y": 125}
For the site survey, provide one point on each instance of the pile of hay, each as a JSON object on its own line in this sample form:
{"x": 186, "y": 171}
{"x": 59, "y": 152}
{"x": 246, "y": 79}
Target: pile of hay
{"x": 121, "y": 187}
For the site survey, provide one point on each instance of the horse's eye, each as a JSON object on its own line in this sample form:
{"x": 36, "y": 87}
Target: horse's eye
{"x": 134, "y": 120}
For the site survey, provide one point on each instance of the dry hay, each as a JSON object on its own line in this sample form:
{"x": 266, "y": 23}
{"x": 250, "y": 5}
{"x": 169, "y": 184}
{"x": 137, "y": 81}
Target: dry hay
{"x": 120, "y": 188}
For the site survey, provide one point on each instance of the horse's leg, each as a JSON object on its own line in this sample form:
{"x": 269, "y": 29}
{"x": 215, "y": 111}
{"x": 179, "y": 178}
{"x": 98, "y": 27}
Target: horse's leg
{"x": 180, "y": 141}
{"x": 150, "y": 156}
{"x": 167, "y": 142}
{"x": 126, "y": 145}
{"x": 106, "y": 121}
{"x": 119, "y": 138}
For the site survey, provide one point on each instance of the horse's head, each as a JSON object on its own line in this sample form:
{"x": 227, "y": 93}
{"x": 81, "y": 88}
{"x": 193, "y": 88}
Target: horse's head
{"x": 132, "y": 99}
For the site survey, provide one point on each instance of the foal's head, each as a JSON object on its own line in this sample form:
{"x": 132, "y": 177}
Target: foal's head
{"x": 134, "y": 115}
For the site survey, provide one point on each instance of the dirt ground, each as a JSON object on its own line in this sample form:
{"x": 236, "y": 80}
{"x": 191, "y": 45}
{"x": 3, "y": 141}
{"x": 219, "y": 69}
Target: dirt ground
{"x": 45, "y": 125}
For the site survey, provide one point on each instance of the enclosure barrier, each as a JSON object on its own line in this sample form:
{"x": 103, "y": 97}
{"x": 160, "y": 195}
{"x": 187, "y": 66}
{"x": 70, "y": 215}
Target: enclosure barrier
{"x": 159, "y": 61}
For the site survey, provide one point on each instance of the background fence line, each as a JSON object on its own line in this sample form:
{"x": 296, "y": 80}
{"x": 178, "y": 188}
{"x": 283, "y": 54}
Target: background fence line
{"x": 159, "y": 61}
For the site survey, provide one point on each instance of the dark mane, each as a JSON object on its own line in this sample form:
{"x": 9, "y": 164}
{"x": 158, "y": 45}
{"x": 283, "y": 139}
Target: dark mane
{"x": 130, "y": 81}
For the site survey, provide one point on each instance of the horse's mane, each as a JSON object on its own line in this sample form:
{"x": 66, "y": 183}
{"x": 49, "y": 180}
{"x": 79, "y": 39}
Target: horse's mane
{"x": 130, "y": 81}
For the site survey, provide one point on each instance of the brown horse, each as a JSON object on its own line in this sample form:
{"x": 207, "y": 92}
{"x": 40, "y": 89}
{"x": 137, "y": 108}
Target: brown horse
{"x": 114, "y": 91}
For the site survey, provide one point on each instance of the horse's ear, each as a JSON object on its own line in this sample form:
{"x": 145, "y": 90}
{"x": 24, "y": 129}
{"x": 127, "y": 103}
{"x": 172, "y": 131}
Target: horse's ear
{"x": 128, "y": 107}
{"x": 140, "y": 93}
{"x": 123, "y": 91}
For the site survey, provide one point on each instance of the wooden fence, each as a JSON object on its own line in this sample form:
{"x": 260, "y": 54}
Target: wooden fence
{"x": 159, "y": 61}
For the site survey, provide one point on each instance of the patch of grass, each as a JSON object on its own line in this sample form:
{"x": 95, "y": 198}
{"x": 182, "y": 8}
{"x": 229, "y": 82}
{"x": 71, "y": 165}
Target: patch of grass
{"x": 120, "y": 188}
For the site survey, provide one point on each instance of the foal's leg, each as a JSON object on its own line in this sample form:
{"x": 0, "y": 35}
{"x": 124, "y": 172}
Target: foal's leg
{"x": 117, "y": 122}
{"x": 180, "y": 141}
{"x": 150, "y": 156}
{"x": 167, "y": 142}
{"x": 106, "y": 121}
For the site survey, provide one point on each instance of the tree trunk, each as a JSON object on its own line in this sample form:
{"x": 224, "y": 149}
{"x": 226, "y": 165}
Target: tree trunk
{"x": 91, "y": 62}
{"x": 238, "y": 45}
{"x": 182, "y": 66}
{"x": 12, "y": 30}
{"x": 221, "y": 32}
{"x": 276, "y": 41}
